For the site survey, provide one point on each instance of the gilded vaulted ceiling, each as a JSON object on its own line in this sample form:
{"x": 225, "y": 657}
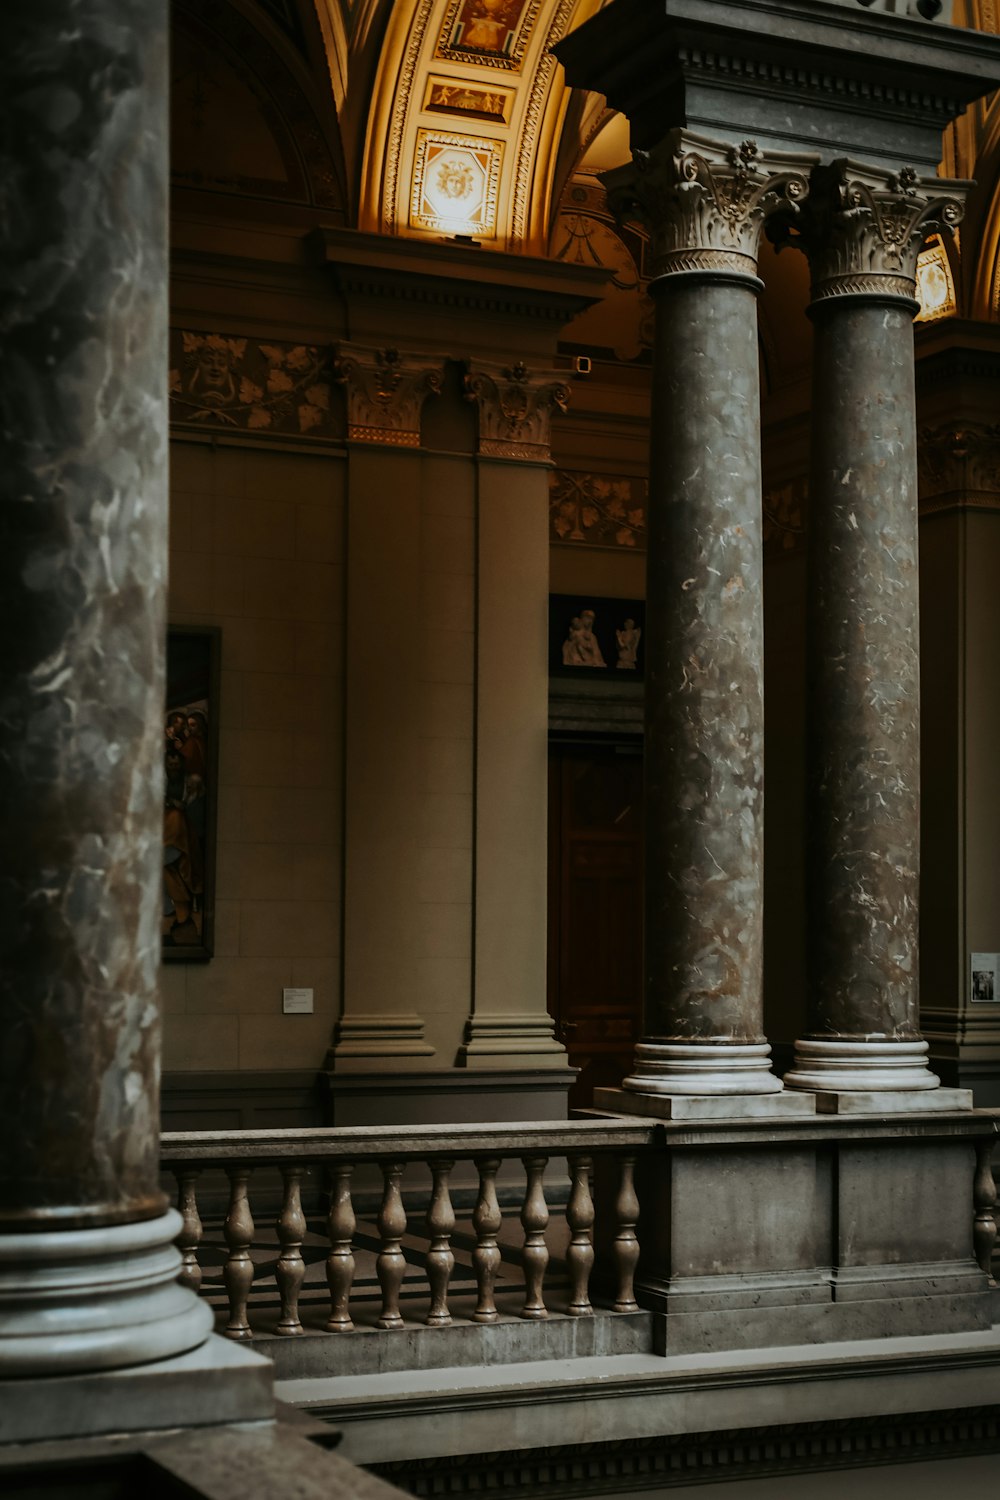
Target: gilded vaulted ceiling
{"x": 451, "y": 119}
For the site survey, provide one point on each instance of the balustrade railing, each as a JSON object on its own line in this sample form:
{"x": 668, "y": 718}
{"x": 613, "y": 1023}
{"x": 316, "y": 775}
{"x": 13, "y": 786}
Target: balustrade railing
{"x": 337, "y": 1157}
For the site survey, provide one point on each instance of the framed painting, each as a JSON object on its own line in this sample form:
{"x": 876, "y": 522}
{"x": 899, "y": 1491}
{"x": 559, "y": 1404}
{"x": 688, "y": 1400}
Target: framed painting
{"x": 595, "y": 637}
{"x": 191, "y": 758}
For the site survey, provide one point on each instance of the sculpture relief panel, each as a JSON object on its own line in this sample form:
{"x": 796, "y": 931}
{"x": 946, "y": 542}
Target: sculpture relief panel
{"x": 494, "y": 33}
{"x": 455, "y": 181}
{"x": 243, "y": 384}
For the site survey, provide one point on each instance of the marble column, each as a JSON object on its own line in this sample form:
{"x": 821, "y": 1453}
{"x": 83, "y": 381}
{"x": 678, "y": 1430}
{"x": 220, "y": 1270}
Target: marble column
{"x": 862, "y": 230}
{"x": 705, "y": 204}
{"x": 87, "y": 1265}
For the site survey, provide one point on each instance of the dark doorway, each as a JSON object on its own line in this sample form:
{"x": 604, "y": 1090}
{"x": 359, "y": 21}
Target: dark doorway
{"x": 595, "y": 910}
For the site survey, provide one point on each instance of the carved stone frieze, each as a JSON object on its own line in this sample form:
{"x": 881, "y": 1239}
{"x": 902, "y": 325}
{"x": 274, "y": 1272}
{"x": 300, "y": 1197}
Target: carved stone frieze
{"x": 386, "y": 390}
{"x": 515, "y": 408}
{"x": 704, "y": 202}
{"x": 863, "y": 227}
{"x": 959, "y": 465}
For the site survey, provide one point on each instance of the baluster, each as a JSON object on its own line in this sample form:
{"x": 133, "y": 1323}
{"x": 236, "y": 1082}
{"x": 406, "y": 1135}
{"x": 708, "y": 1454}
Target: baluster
{"x": 984, "y": 1197}
{"x": 391, "y": 1263}
{"x": 534, "y": 1218}
{"x": 190, "y": 1236}
{"x": 340, "y": 1261}
{"x": 440, "y": 1259}
{"x": 486, "y": 1221}
{"x": 580, "y": 1250}
{"x": 238, "y": 1270}
{"x": 291, "y": 1268}
{"x": 626, "y": 1245}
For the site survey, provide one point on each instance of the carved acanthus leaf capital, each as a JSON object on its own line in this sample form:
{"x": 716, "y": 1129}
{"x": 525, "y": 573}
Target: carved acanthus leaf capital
{"x": 960, "y": 462}
{"x": 515, "y": 408}
{"x": 863, "y": 227}
{"x": 705, "y": 202}
{"x": 386, "y": 390}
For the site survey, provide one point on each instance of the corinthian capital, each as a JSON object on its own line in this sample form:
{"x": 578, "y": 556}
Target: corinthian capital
{"x": 386, "y": 390}
{"x": 706, "y": 202}
{"x": 863, "y": 227}
{"x": 515, "y": 408}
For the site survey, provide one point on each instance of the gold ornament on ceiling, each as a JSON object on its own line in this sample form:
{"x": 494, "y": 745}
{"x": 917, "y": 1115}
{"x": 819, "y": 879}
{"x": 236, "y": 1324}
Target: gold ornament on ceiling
{"x": 493, "y": 33}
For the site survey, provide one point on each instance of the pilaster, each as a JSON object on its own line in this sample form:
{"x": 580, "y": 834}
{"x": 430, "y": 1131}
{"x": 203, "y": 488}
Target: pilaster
{"x": 388, "y": 804}
{"x": 509, "y": 1024}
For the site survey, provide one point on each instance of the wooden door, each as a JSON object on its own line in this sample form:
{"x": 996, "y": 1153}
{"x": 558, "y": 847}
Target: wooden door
{"x": 595, "y": 910}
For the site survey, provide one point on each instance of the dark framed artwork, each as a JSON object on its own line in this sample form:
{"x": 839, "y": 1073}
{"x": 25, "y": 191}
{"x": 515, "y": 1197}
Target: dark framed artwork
{"x": 594, "y": 637}
{"x": 191, "y": 760}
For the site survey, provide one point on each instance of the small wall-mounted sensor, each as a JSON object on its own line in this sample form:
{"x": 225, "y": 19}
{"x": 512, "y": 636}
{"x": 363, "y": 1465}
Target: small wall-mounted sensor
{"x": 583, "y": 364}
{"x": 297, "y": 1002}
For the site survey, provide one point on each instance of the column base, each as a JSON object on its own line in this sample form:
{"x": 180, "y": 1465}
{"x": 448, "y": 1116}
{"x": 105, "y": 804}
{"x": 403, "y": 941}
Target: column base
{"x": 500, "y": 1039}
{"x": 702, "y": 1068}
{"x": 95, "y": 1299}
{"x": 387, "y": 1041}
{"x": 704, "y": 1106}
{"x": 835, "y": 1065}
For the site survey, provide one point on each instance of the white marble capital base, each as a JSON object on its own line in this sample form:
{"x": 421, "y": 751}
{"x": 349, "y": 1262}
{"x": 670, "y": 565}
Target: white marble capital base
{"x": 892, "y": 1102}
{"x": 704, "y": 1106}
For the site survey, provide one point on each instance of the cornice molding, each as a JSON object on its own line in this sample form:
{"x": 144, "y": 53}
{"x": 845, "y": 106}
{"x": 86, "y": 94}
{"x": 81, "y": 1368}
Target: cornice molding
{"x": 705, "y": 203}
{"x": 386, "y": 390}
{"x": 515, "y": 408}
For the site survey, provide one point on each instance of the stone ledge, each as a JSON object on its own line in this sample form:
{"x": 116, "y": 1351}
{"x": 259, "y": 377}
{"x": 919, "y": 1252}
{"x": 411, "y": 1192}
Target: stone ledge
{"x": 886, "y": 1102}
{"x": 432, "y": 1413}
{"x": 705, "y": 1106}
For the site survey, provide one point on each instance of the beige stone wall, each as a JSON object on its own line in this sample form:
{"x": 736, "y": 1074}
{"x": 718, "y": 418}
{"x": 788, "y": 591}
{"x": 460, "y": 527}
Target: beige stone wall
{"x": 257, "y": 549}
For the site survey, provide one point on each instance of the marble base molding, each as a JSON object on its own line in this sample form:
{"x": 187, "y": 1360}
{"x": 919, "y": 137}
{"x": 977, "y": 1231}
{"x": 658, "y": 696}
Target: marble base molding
{"x": 494, "y": 1039}
{"x": 95, "y": 1299}
{"x": 836, "y": 1064}
{"x": 703, "y": 1067}
{"x": 390, "y": 1039}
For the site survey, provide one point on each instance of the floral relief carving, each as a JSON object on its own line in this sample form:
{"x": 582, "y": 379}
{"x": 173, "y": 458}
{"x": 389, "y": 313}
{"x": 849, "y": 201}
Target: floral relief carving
{"x": 862, "y": 228}
{"x": 515, "y": 408}
{"x": 221, "y": 380}
{"x": 610, "y": 510}
{"x": 705, "y": 203}
{"x": 597, "y": 510}
{"x": 386, "y": 390}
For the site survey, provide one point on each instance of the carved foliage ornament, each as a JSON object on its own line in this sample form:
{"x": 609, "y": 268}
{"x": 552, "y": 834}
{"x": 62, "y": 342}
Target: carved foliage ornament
{"x": 706, "y": 202}
{"x": 959, "y": 463}
{"x": 386, "y": 390}
{"x": 862, "y": 228}
{"x": 515, "y": 408}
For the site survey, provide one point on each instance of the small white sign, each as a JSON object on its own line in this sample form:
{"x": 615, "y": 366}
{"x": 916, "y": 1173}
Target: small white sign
{"x": 297, "y": 1002}
{"x": 984, "y": 979}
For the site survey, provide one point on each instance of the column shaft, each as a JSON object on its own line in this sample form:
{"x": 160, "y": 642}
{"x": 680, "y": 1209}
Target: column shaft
{"x": 83, "y": 560}
{"x": 704, "y": 682}
{"x": 863, "y": 676}
{"x": 863, "y": 771}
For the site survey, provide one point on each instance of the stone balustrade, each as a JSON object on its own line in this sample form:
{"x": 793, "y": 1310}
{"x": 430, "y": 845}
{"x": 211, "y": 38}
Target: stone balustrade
{"x": 348, "y": 1162}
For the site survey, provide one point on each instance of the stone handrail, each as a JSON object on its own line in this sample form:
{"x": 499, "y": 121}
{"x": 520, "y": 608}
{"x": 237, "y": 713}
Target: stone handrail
{"x": 187, "y": 1153}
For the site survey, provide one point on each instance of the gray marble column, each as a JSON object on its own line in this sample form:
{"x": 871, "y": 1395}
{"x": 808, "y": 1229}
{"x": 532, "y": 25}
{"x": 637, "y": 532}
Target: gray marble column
{"x": 862, "y": 231}
{"x": 87, "y": 1266}
{"x": 705, "y": 204}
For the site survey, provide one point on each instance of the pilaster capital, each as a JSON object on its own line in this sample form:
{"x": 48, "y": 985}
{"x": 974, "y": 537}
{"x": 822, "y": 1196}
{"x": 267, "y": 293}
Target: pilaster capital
{"x": 863, "y": 227}
{"x": 959, "y": 465}
{"x": 386, "y": 390}
{"x": 706, "y": 202}
{"x": 515, "y": 408}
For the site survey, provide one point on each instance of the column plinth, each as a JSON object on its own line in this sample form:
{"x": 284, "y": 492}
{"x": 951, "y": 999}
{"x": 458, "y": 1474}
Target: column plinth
{"x": 862, "y": 230}
{"x": 705, "y": 204}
